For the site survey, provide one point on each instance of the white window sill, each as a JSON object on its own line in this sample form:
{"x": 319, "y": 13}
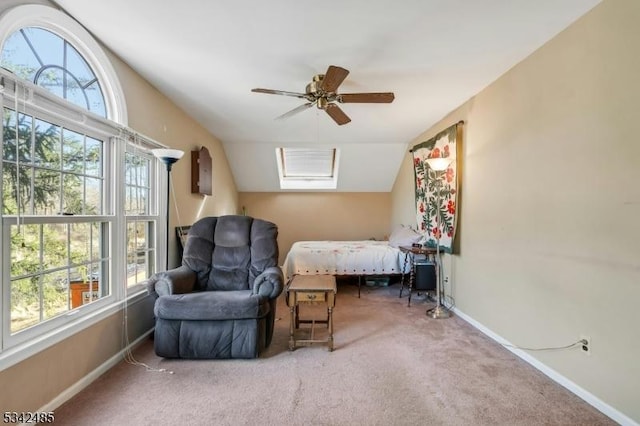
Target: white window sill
{"x": 23, "y": 351}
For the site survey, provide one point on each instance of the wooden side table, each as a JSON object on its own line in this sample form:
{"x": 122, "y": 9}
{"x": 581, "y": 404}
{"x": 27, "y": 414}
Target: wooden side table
{"x": 409, "y": 255}
{"x": 310, "y": 289}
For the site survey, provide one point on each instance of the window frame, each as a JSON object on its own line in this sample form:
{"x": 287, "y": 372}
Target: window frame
{"x": 12, "y": 89}
{"x": 113, "y": 131}
{"x": 152, "y": 217}
{"x": 312, "y": 180}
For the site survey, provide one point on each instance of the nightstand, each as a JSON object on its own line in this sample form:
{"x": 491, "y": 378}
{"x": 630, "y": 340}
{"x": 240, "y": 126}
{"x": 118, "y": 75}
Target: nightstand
{"x": 410, "y": 254}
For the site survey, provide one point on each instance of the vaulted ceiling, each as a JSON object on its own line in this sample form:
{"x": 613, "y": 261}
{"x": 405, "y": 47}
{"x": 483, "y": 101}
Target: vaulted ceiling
{"x": 433, "y": 54}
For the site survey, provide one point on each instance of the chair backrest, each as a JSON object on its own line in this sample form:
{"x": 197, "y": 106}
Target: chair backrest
{"x": 229, "y": 252}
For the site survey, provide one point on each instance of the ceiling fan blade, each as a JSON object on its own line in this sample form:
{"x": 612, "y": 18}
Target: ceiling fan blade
{"x": 375, "y": 98}
{"x": 281, "y": 92}
{"x": 333, "y": 78}
{"x": 295, "y": 111}
{"x": 337, "y": 114}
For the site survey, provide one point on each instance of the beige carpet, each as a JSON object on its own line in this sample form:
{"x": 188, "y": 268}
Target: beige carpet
{"x": 392, "y": 366}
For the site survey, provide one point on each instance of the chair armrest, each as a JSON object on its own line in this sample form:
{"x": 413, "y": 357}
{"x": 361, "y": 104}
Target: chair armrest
{"x": 174, "y": 281}
{"x": 269, "y": 283}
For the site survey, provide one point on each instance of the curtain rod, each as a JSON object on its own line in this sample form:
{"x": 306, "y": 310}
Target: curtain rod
{"x": 459, "y": 122}
{"x": 39, "y": 101}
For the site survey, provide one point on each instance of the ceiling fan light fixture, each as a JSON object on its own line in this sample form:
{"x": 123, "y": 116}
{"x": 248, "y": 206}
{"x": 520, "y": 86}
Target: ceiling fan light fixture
{"x": 322, "y": 92}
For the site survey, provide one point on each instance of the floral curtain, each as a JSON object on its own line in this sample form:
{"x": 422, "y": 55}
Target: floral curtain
{"x": 437, "y": 221}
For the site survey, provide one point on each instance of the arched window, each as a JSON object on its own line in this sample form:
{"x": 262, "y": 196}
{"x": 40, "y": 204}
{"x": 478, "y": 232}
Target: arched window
{"x": 50, "y": 61}
{"x": 50, "y": 49}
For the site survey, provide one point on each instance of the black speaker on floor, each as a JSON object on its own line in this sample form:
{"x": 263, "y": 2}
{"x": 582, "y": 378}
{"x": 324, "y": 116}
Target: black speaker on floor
{"x": 425, "y": 275}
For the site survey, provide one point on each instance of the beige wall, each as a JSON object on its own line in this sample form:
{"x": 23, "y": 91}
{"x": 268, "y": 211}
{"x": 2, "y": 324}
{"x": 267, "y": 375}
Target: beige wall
{"x": 41, "y": 378}
{"x": 321, "y": 215}
{"x": 152, "y": 114}
{"x": 550, "y": 203}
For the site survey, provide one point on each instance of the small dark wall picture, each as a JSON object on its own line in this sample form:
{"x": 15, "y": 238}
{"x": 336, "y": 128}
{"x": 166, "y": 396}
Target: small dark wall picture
{"x": 201, "y": 175}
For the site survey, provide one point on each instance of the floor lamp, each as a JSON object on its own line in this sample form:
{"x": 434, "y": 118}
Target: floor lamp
{"x": 168, "y": 157}
{"x": 438, "y": 165}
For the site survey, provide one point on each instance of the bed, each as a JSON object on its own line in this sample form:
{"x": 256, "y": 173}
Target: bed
{"x": 367, "y": 257}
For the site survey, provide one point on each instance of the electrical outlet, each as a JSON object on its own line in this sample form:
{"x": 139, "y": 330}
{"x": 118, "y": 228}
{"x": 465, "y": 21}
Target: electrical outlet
{"x": 585, "y": 344}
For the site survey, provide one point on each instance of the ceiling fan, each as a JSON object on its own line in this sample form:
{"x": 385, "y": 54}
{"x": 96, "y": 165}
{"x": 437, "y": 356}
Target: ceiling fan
{"x": 322, "y": 93}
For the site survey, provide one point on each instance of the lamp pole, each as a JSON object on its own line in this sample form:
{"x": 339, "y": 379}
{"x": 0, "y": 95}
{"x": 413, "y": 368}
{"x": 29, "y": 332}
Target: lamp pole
{"x": 438, "y": 165}
{"x": 168, "y": 157}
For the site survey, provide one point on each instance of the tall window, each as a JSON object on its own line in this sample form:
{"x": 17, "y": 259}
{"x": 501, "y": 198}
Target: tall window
{"x": 78, "y": 203}
{"x": 140, "y": 222}
{"x": 52, "y": 199}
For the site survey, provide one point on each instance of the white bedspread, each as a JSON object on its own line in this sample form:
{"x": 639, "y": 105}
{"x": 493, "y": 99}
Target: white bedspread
{"x": 343, "y": 258}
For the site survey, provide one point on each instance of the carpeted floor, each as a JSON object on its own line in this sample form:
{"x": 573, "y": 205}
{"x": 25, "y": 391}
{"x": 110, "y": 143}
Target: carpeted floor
{"x": 392, "y": 365}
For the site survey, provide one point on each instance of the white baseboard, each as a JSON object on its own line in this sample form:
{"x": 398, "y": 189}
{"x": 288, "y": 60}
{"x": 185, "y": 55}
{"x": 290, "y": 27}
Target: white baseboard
{"x": 78, "y": 386}
{"x": 587, "y": 396}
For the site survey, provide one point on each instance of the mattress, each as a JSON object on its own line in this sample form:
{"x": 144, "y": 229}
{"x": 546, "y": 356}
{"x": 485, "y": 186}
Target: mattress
{"x": 366, "y": 257}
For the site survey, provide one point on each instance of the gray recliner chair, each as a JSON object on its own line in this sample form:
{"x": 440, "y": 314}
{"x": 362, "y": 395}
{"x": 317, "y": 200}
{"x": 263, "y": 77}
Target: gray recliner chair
{"x": 221, "y": 303}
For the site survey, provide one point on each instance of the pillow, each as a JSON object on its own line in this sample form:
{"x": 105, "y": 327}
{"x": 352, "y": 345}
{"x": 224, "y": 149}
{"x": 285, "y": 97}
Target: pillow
{"x": 404, "y": 236}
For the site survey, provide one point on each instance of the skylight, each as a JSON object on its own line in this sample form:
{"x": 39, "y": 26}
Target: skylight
{"x": 308, "y": 168}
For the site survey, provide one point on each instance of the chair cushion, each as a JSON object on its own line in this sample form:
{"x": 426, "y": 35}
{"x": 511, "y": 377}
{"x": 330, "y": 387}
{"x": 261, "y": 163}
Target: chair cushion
{"x": 212, "y": 305}
{"x": 229, "y": 252}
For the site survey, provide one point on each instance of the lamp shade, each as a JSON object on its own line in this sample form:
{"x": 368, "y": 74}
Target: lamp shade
{"x": 439, "y": 163}
{"x": 167, "y": 155}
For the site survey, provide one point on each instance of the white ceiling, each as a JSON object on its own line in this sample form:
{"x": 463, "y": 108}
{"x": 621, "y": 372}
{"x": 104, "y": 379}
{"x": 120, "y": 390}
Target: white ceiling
{"x": 433, "y": 54}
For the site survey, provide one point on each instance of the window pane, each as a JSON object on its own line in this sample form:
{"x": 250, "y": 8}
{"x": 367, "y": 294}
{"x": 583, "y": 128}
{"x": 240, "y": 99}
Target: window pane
{"x": 54, "y": 249}
{"x": 131, "y": 243}
{"x": 9, "y": 202}
{"x": 55, "y": 294}
{"x": 93, "y": 157}
{"x": 96, "y": 246}
{"x": 143, "y": 193}
{"x": 83, "y": 286}
{"x": 127, "y": 200}
{"x": 25, "y": 250}
{"x": 99, "y": 275}
{"x": 24, "y": 137}
{"x": 93, "y": 199}
{"x": 25, "y": 303}
{"x": 72, "y": 151}
{"x": 73, "y": 92}
{"x": 145, "y": 170}
{"x": 72, "y": 198}
{"x": 96, "y": 99}
{"x": 47, "y": 192}
{"x": 129, "y": 170}
{"x": 77, "y": 66}
{"x": 48, "y": 45}
{"x": 8, "y": 134}
{"x": 80, "y": 243}
{"x": 47, "y": 145}
{"x": 51, "y": 79}
{"x": 132, "y": 165}
{"x": 18, "y": 57}
{"x": 137, "y": 170}
{"x": 140, "y": 263}
{"x": 130, "y": 200}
